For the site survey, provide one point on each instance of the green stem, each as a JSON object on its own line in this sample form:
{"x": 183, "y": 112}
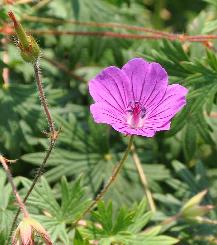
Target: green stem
{"x": 53, "y": 138}
{"x": 111, "y": 180}
{"x": 143, "y": 179}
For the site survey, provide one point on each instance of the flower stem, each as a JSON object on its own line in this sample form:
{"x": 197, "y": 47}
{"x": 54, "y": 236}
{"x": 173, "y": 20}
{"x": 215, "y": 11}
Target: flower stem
{"x": 43, "y": 98}
{"x": 143, "y": 179}
{"x": 16, "y": 194}
{"x": 53, "y": 137}
{"x": 111, "y": 180}
{"x": 38, "y": 175}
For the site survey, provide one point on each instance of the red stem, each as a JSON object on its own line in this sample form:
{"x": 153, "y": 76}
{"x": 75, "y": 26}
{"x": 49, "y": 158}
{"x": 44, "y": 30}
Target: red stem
{"x": 172, "y": 37}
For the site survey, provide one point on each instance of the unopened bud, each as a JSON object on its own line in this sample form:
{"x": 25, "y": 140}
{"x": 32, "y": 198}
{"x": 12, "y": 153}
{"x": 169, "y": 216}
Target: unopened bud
{"x": 29, "y": 48}
{"x": 192, "y": 209}
{"x": 195, "y": 200}
{"x": 196, "y": 211}
{"x": 26, "y": 230}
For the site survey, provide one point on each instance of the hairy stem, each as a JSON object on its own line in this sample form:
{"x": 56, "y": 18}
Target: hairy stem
{"x": 43, "y": 98}
{"x": 20, "y": 203}
{"x": 53, "y": 138}
{"x": 143, "y": 179}
{"x": 111, "y": 180}
{"x": 38, "y": 175}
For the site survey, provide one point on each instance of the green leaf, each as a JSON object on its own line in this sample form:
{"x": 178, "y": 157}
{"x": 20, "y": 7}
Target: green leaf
{"x": 123, "y": 226}
{"x": 190, "y": 141}
{"x": 58, "y": 213}
{"x": 76, "y": 8}
{"x": 6, "y": 207}
{"x": 78, "y": 239}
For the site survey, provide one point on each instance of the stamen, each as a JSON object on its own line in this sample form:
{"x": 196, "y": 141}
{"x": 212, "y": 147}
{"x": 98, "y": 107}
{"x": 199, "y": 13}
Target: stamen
{"x": 143, "y": 112}
{"x": 135, "y": 114}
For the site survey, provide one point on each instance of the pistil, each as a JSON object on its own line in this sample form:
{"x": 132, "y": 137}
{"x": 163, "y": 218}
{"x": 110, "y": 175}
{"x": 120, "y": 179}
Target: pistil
{"x": 135, "y": 115}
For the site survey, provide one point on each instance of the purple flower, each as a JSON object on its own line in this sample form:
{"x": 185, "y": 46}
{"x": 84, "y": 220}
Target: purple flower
{"x": 136, "y": 99}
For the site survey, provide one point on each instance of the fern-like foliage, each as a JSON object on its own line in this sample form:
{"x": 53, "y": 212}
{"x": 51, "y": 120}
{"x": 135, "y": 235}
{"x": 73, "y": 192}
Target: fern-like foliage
{"x": 124, "y": 226}
{"x": 58, "y": 211}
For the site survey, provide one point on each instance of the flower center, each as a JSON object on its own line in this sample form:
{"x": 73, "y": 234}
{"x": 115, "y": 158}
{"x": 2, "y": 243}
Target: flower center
{"x": 135, "y": 115}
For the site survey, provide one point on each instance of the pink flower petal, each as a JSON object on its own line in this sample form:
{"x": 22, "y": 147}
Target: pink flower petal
{"x": 111, "y": 86}
{"x": 148, "y": 81}
{"x": 125, "y": 129}
{"x": 25, "y": 233}
{"x": 103, "y": 113}
{"x": 147, "y": 132}
{"x": 173, "y": 101}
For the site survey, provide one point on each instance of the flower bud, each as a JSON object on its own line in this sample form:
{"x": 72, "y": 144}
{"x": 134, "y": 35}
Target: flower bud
{"x": 192, "y": 209}
{"x": 24, "y": 234}
{"x": 29, "y": 48}
{"x": 196, "y": 211}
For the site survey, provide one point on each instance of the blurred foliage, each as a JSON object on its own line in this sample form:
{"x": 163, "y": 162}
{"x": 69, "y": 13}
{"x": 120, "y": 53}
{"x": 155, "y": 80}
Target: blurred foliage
{"x": 178, "y": 163}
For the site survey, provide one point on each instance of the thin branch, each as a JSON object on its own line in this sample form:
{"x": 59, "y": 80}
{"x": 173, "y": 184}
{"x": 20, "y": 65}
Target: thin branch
{"x": 53, "y": 134}
{"x": 20, "y": 203}
{"x": 38, "y": 175}
{"x": 143, "y": 179}
{"x": 95, "y": 33}
{"x": 156, "y": 33}
{"x": 153, "y": 34}
{"x": 95, "y": 24}
{"x": 43, "y": 98}
{"x": 176, "y": 37}
{"x": 111, "y": 180}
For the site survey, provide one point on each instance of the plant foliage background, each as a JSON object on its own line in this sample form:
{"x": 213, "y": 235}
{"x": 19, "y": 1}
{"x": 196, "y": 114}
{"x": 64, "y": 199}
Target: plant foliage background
{"x": 178, "y": 163}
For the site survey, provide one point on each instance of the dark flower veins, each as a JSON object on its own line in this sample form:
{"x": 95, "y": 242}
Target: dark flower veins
{"x": 136, "y": 99}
